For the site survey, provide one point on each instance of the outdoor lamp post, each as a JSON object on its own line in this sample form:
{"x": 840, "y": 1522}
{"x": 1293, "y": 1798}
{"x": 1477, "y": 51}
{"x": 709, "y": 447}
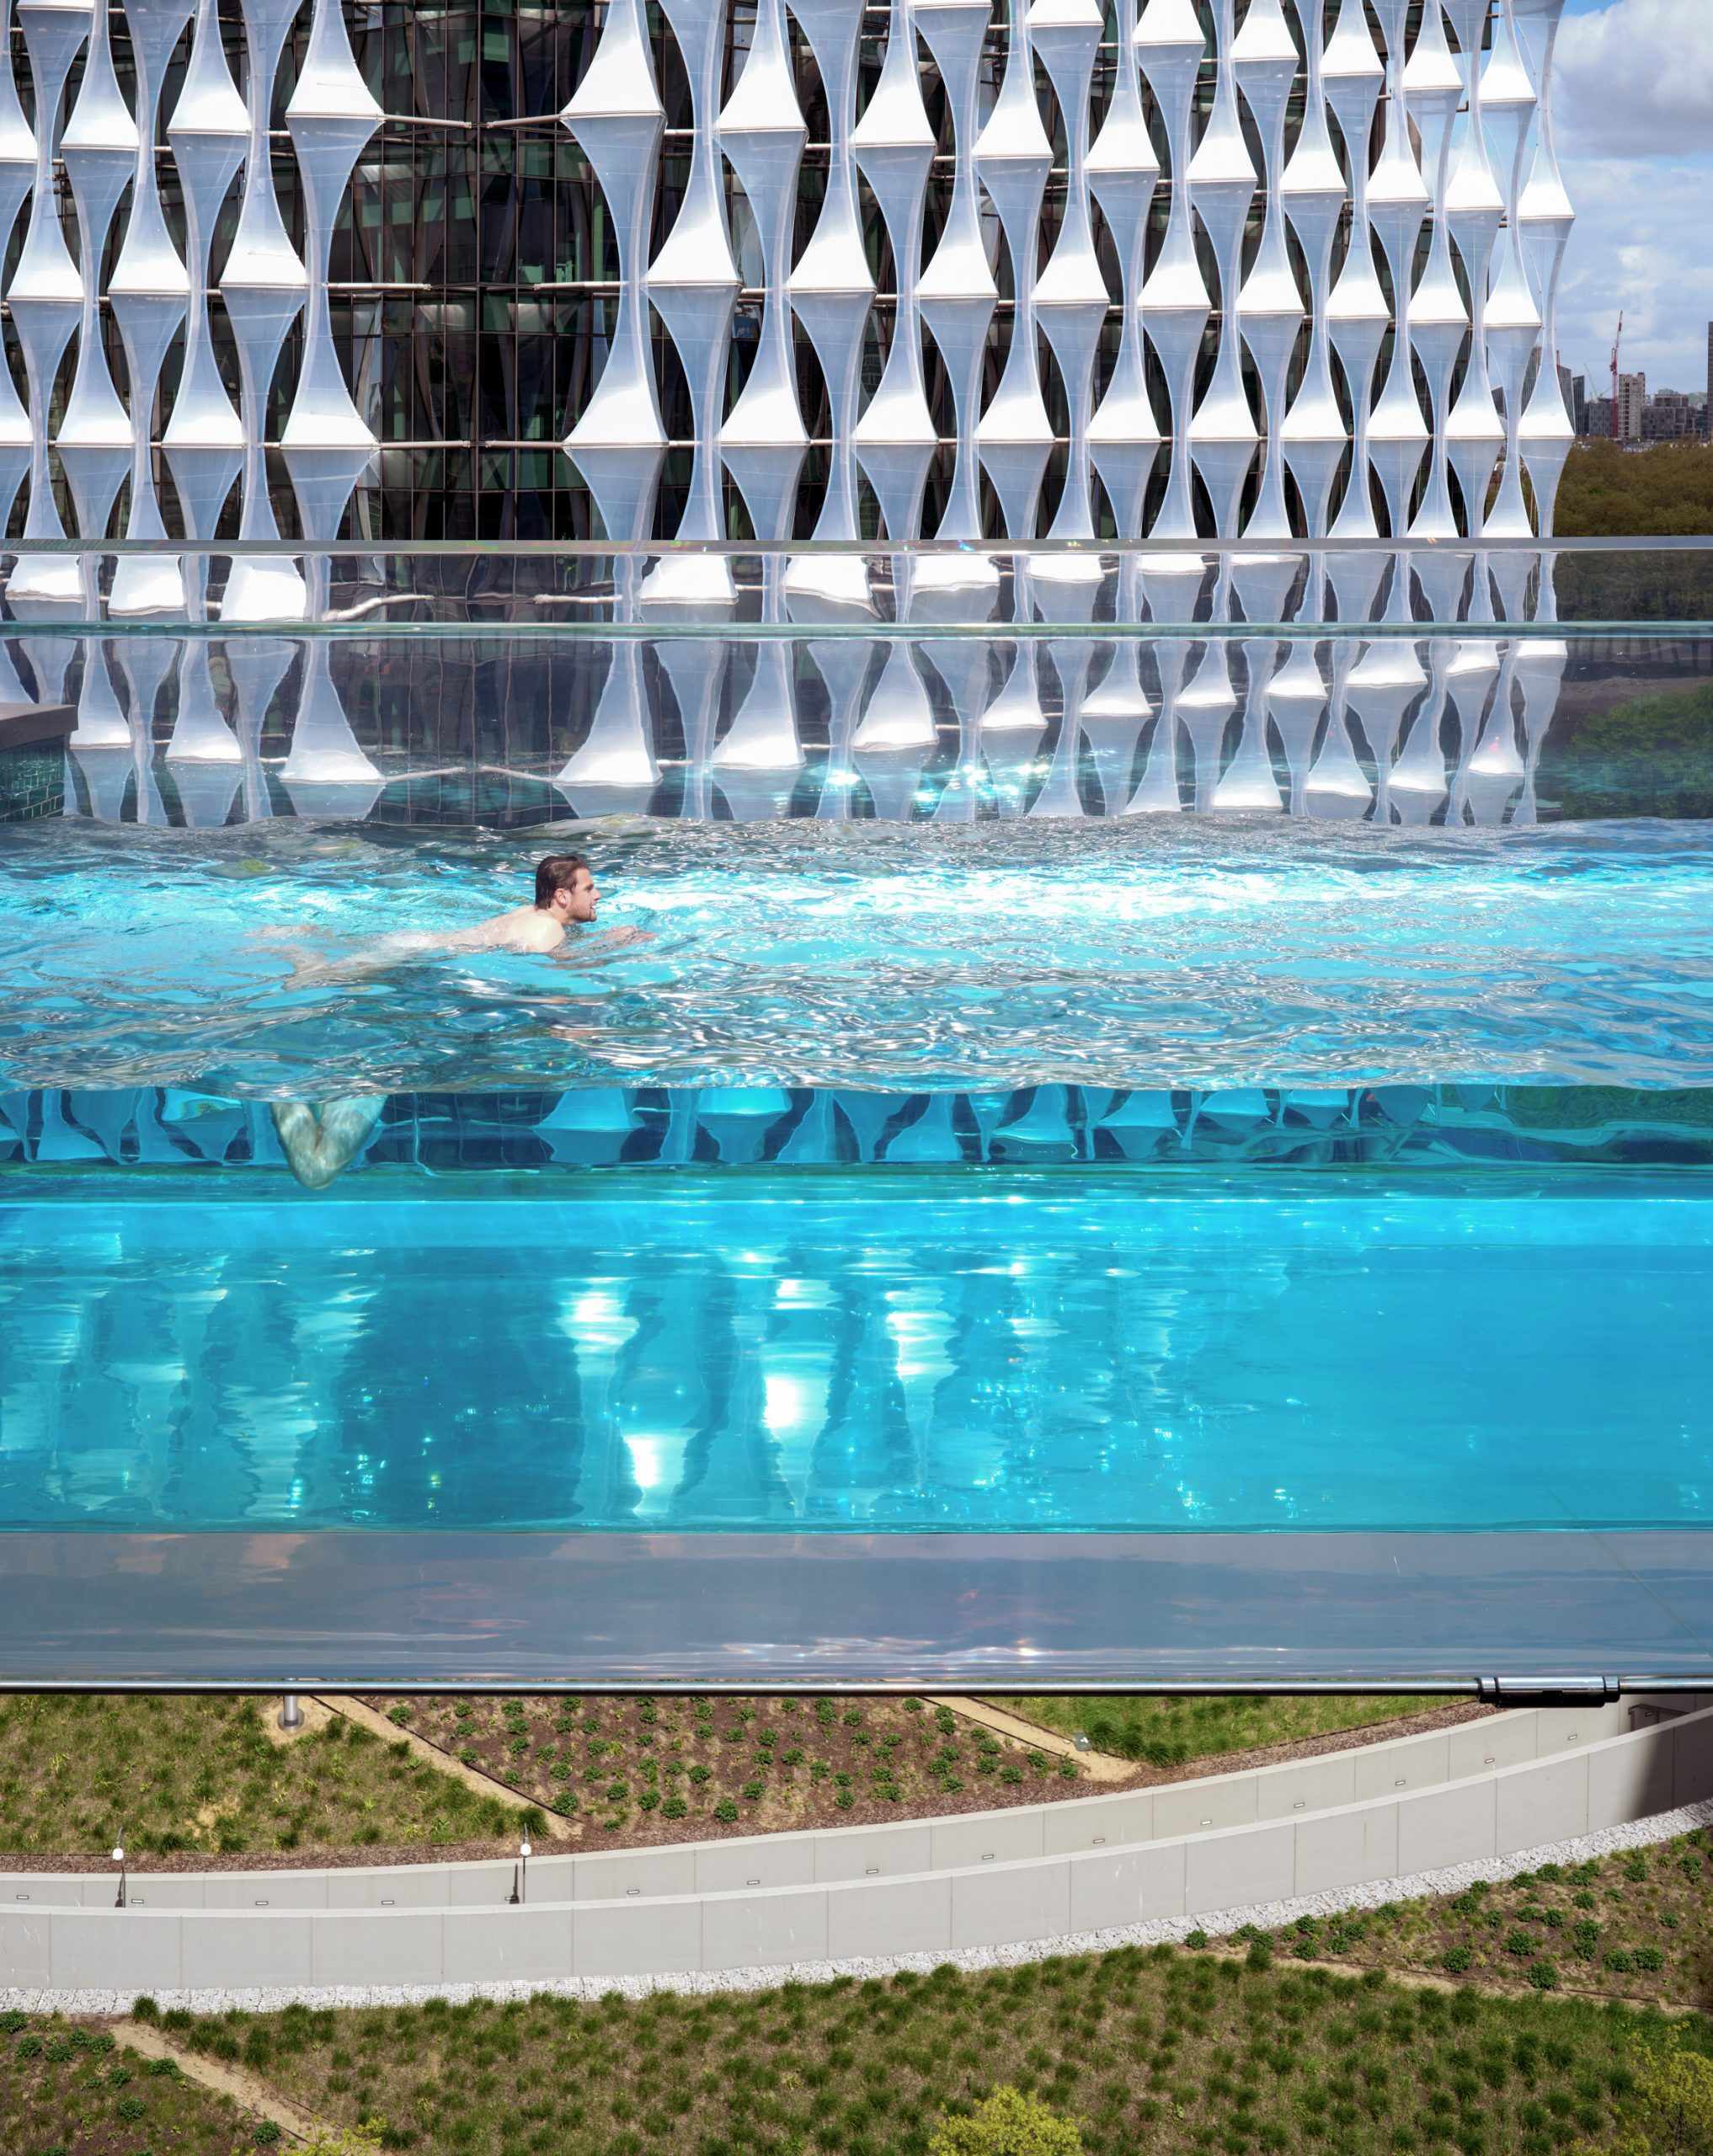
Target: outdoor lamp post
{"x": 119, "y": 1859}
{"x": 522, "y": 1893}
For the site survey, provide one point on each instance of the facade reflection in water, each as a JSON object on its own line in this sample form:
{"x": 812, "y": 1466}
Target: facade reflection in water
{"x": 888, "y": 1355}
{"x": 1433, "y": 716}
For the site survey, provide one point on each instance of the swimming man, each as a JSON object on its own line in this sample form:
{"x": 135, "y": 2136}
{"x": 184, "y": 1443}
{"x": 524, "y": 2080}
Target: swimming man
{"x": 322, "y": 1139}
{"x": 565, "y": 893}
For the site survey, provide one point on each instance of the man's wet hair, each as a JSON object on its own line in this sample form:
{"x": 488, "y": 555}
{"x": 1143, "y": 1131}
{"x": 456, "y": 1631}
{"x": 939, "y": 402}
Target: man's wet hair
{"x": 557, "y": 873}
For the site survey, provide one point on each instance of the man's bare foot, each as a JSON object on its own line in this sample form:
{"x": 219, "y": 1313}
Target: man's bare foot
{"x": 317, "y": 1151}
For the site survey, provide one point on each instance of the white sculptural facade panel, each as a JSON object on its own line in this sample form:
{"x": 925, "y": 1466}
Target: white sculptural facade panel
{"x": 1093, "y": 202}
{"x": 1240, "y": 268}
{"x": 997, "y": 273}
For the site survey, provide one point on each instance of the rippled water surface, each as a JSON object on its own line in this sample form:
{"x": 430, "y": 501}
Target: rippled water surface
{"x": 1150, "y": 951}
{"x": 935, "y": 1352}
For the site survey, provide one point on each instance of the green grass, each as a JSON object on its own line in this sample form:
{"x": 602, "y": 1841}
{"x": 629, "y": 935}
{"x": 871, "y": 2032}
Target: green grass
{"x": 201, "y": 1775}
{"x": 68, "y": 2088}
{"x": 1170, "y": 1732}
{"x": 1161, "y": 2051}
{"x": 1630, "y": 1926}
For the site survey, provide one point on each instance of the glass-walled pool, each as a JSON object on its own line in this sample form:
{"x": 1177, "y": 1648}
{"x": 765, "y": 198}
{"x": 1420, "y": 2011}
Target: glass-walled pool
{"x": 1121, "y": 1118}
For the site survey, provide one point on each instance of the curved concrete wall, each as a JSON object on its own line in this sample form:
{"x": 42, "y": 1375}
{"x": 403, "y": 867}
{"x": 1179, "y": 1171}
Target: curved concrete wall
{"x": 991, "y": 1879}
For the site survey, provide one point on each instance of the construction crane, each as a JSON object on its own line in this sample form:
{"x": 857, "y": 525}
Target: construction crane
{"x": 1617, "y": 347}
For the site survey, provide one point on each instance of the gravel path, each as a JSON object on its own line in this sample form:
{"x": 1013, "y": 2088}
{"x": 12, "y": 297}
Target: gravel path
{"x": 1636, "y": 1834}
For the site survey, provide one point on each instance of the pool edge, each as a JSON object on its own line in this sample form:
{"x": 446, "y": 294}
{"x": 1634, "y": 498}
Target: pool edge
{"x": 438, "y": 1611}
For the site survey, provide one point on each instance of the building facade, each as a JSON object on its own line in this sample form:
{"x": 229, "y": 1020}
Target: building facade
{"x": 841, "y": 270}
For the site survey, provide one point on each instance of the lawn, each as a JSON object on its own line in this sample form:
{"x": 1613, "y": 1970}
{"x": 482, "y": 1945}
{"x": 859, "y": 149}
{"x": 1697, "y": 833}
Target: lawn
{"x": 1159, "y": 2050}
{"x": 202, "y": 1776}
{"x": 1630, "y": 1926}
{"x": 629, "y": 1767}
{"x": 1165, "y": 1732}
{"x": 69, "y": 2091}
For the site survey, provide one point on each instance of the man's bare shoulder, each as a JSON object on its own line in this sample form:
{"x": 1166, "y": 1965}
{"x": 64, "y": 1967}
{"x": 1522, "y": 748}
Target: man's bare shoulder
{"x": 525, "y": 928}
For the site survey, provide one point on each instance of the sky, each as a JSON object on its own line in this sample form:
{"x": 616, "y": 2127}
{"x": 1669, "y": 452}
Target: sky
{"x": 1633, "y": 124}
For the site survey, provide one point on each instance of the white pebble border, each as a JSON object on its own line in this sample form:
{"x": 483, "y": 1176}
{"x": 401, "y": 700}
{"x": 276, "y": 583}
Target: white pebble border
{"x": 1267, "y": 1916}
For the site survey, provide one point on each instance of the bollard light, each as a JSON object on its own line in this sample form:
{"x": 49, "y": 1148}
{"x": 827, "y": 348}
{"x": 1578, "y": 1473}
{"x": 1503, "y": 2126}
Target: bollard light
{"x": 523, "y": 1851}
{"x": 119, "y": 1859}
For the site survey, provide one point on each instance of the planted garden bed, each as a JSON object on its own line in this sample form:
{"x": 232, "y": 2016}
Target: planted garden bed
{"x": 67, "y": 2090}
{"x": 1632, "y": 1925}
{"x": 1153, "y": 2051}
{"x": 1168, "y": 1732}
{"x": 197, "y": 1783}
{"x": 628, "y": 1769}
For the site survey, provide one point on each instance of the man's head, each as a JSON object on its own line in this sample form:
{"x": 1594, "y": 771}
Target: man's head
{"x": 565, "y": 887}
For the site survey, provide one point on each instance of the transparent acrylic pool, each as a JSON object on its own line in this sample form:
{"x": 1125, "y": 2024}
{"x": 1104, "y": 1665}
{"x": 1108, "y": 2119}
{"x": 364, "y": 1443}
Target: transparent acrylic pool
{"x": 1159, "y": 1135}
{"x": 937, "y": 1352}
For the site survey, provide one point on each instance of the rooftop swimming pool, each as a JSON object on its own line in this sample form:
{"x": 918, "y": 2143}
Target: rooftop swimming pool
{"x": 1151, "y": 952}
{"x": 1158, "y": 1136}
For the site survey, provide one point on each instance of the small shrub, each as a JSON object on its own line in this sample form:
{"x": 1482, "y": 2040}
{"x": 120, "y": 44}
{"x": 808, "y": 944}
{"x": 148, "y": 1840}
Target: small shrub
{"x": 1458, "y": 1960}
{"x": 266, "y": 2134}
{"x": 1008, "y": 2124}
{"x": 401, "y": 1714}
{"x": 325, "y": 2140}
{"x": 725, "y": 1810}
{"x": 1196, "y": 1939}
{"x": 1543, "y": 1975}
{"x": 1619, "y": 1962}
{"x": 1648, "y": 1957}
{"x": 144, "y": 2009}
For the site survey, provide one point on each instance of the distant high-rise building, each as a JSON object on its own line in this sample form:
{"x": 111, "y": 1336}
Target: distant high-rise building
{"x": 1707, "y": 415}
{"x": 1670, "y": 416}
{"x": 1632, "y": 406}
{"x": 1575, "y": 398}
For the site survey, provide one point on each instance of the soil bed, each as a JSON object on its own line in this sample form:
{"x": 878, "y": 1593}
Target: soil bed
{"x": 629, "y": 1769}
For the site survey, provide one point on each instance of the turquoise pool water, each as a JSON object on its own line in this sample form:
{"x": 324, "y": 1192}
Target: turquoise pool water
{"x": 1149, "y": 952}
{"x": 943, "y": 1350}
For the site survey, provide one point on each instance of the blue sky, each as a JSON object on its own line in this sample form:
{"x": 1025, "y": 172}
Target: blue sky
{"x": 1635, "y": 131}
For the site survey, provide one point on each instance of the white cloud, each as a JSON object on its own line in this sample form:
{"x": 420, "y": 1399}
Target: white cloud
{"x": 1643, "y": 242}
{"x": 1636, "y": 80}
